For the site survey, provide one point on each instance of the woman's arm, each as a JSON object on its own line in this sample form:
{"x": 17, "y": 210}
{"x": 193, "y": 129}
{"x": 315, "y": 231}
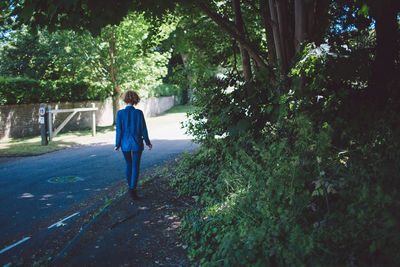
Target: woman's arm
{"x": 118, "y": 135}
{"x": 144, "y": 132}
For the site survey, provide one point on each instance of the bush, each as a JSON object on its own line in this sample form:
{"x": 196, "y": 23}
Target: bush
{"x": 19, "y": 91}
{"x": 29, "y": 91}
{"x": 166, "y": 89}
{"x": 307, "y": 178}
{"x": 296, "y": 204}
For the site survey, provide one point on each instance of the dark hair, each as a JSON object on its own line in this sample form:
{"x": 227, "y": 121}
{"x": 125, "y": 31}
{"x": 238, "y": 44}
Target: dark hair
{"x": 131, "y": 97}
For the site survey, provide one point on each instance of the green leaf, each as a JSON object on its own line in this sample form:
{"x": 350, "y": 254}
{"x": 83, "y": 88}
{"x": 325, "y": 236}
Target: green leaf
{"x": 364, "y": 10}
{"x": 27, "y": 12}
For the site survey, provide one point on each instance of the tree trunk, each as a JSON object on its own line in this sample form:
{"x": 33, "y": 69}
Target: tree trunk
{"x": 112, "y": 52}
{"x": 300, "y": 24}
{"x": 286, "y": 32}
{"x": 266, "y": 18}
{"x": 387, "y": 51}
{"x": 187, "y": 89}
{"x": 317, "y": 19}
{"x": 278, "y": 42}
{"x": 246, "y": 65}
{"x": 283, "y": 25}
{"x": 116, "y": 101}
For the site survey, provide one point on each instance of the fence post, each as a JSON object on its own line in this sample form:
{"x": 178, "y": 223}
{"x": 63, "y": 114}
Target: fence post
{"x": 93, "y": 120}
{"x": 43, "y": 124}
{"x": 49, "y": 122}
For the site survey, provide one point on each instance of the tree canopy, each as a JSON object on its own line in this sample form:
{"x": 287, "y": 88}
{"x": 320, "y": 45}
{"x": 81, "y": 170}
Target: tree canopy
{"x": 120, "y": 56}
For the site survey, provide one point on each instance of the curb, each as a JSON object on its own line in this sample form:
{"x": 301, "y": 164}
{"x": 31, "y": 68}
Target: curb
{"x": 83, "y": 230}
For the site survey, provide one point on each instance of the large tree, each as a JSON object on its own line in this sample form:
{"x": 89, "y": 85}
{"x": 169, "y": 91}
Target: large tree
{"x": 121, "y": 56}
{"x": 125, "y": 59}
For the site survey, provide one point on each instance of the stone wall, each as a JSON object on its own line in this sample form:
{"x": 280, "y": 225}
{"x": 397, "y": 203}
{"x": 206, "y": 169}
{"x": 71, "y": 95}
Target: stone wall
{"x": 23, "y": 120}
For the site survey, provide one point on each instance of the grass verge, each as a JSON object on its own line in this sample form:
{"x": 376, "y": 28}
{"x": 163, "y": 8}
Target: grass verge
{"x": 33, "y": 145}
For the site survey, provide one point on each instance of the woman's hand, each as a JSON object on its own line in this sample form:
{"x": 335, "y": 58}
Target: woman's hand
{"x": 150, "y": 146}
{"x": 116, "y": 148}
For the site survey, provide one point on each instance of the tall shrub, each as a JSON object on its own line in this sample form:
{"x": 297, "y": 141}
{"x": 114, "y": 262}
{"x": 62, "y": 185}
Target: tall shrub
{"x": 297, "y": 178}
{"x": 29, "y": 91}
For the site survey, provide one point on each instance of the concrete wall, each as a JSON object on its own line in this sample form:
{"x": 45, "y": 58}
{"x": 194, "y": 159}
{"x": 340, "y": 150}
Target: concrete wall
{"x": 156, "y": 105}
{"x": 23, "y": 120}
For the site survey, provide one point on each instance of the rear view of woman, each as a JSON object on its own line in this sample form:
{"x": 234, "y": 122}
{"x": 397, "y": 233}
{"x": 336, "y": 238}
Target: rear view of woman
{"x": 131, "y": 130}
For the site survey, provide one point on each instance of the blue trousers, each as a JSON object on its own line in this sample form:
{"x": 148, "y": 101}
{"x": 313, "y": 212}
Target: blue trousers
{"x": 132, "y": 160}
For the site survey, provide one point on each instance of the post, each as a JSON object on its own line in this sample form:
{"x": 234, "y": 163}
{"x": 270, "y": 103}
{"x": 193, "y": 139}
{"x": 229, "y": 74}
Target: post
{"x": 43, "y": 125}
{"x": 93, "y": 120}
{"x": 49, "y": 122}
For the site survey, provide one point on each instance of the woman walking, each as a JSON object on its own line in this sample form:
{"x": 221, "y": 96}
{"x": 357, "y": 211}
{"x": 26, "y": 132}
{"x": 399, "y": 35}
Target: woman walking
{"x": 131, "y": 130}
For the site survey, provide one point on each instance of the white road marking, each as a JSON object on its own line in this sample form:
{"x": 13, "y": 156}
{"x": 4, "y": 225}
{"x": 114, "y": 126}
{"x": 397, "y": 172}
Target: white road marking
{"x": 60, "y": 223}
{"x": 14, "y": 245}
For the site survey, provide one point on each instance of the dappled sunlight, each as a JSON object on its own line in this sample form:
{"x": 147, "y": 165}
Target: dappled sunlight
{"x": 4, "y": 146}
{"x": 33, "y": 140}
{"x": 169, "y": 217}
{"x": 174, "y": 226}
{"x": 26, "y": 195}
{"x": 32, "y": 147}
{"x": 174, "y": 222}
{"x": 46, "y": 197}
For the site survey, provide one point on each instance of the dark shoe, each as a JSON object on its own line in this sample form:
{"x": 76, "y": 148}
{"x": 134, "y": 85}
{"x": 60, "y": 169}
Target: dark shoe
{"x": 135, "y": 195}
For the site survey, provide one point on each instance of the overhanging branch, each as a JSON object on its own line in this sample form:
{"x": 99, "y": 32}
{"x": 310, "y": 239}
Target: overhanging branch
{"x": 230, "y": 28}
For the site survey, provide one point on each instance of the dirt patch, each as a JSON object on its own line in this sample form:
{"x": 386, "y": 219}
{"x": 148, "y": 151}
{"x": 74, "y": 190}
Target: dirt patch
{"x": 135, "y": 233}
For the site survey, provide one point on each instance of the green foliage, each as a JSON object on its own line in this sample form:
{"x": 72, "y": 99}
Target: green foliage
{"x": 291, "y": 198}
{"x": 44, "y": 55}
{"x": 305, "y": 177}
{"x": 165, "y": 89}
{"x": 227, "y": 106}
{"x": 47, "y": 67}
{"x": 127, "y": 56}
{"x": 28, "y": 91}
{"x": 206, "y": 178}
{"x": 67, "y": 57}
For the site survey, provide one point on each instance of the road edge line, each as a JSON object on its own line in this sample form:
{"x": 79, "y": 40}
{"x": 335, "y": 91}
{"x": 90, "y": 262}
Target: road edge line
{"x": 15, "y": 244}
{"x": 83, "y": 230}
{"x": 61, "y": 221}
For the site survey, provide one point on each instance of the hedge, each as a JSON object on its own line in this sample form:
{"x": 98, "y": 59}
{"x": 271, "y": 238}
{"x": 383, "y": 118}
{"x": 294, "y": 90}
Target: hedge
{"x": 29, "y": 91}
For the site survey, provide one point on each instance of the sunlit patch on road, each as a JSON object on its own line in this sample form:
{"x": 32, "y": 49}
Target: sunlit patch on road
{"x": 26, "y": 195}
{"x": 46, "y": 197}
{"x": 65, "y": 179}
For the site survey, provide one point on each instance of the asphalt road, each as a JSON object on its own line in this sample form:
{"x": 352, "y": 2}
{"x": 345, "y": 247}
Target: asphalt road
{"x": 36, "y": 191}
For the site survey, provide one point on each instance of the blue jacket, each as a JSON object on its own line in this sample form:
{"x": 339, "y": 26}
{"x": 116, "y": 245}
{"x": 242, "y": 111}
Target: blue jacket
{"x": 131, "y": 130}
